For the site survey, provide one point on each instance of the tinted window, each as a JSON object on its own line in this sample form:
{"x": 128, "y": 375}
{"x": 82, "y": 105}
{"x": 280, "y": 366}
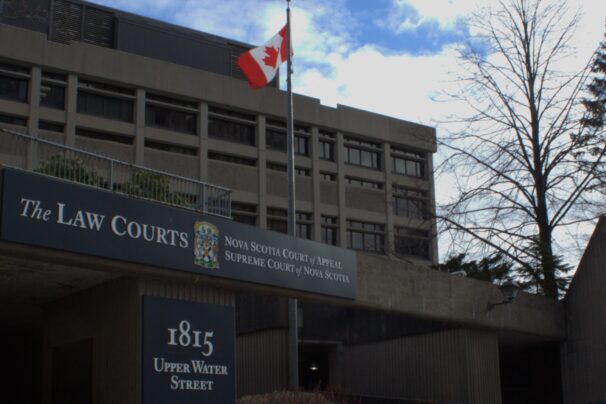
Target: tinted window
{"x": 105, "y": 106}
{"x": 13, "y": 88}
{"x": 231, "y": 131}
{"x": 170, "y": 119}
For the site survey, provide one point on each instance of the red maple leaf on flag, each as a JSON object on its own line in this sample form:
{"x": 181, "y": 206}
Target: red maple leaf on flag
{"x": 272, "y": 56}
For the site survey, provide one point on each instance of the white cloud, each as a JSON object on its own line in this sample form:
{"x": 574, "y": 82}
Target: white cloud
{"x": 331, "y": 66}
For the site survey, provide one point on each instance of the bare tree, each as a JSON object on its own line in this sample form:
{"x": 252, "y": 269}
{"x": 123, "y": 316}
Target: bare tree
{"x": 594, "y": 120}
{"x": 515, "y": 160}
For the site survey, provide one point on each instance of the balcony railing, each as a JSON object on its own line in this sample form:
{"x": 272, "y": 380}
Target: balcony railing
{"x": 23, "y": 151}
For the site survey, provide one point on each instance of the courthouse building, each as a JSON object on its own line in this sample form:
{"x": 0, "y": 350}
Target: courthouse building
{"x": 143, "y": 195}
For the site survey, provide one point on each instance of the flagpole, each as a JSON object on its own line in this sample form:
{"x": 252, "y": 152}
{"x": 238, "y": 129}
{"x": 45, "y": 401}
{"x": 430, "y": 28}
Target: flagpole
{"x": 293, "y": 340}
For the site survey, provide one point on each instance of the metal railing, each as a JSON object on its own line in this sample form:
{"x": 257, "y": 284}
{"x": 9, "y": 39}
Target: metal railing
{"x": 27, "y": 152}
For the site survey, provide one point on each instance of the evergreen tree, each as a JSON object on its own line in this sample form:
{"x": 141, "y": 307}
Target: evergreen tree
{"x": 495, "y": 269}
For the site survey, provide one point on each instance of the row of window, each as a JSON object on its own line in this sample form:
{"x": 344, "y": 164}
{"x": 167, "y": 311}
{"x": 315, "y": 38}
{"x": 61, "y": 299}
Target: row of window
{"x": 362, "y": 236}
{"x": 114, "y": 102}
{"x": 406, "y": 202}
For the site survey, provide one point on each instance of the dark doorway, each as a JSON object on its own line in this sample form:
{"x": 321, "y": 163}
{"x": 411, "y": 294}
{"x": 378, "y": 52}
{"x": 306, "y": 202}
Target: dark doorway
{"x": 72, "y": 373}
{"x": 530, "y": 373}
{"x": 314, "y": 365}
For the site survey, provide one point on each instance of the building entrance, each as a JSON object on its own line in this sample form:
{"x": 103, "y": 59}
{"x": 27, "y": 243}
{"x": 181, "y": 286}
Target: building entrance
{"x": 314, "y": 365}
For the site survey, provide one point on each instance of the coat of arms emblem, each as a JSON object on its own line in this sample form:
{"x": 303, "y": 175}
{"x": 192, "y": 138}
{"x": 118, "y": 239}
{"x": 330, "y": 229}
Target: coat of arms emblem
{"x": 206, "y": 245}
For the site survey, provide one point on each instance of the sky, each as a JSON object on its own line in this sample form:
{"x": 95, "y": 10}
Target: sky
{"x": 392, "y": 57}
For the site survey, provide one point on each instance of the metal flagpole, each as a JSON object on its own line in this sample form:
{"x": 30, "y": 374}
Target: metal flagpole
{"x": 293, "y": 340}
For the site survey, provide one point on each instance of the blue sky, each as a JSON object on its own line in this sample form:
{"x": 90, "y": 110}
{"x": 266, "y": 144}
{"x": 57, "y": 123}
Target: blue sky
{"x": 407, "y": 46}
{"x": 393, "y": 57}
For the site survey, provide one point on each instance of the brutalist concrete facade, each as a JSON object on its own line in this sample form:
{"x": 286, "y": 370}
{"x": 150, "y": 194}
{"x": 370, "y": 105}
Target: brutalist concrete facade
{"x": 327, "y": 186}
{"x": 411, "y": 334}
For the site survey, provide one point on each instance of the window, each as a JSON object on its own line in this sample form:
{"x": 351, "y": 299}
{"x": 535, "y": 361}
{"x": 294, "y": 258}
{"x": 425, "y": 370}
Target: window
{"x": 302, "y": 145}
{"x": 21, "y": 70}
{"x": 327, "y": 150}
{"x": 329, "y": 230}
{"x": 275, "y": 137}
{"x": 277, "y": 141}
{"x": 178, "y": 121}
{"x": 407, "y": 162}
{"x": 283, "y": 168}
{"x": 14, "y": 82}
{"x": 410, "y": 203}
{"x": 304, "y": 172}
{"x": 107, "y": 88}
{"x": 106, "y": 101}
{"x": 228, "y": 113}
{"x": 244, "y": 213}
{"x": 366, "y": 236}
{"x": 232, "y": 159}
{"x": 277, "y": 220}
{"x": 412, "y": 242}
{"x": 52, "y": 96}
{"x": 51, "y": 126}
{"x": 329, "y": 177}
{"x": 361, "y": 153}
{"x": 304, "y": 225}
{"x": 327, "y": 146}
{"x": 231, "y": 131}
{"x": 58, "y": 77}
{"x": 172, "y": 101}
{"x": 13, "y": 88}
{"x": 13, "y": 120}
{"x": 104, "y": 106}
{"x": 188, "y": 151}
{"x": 364, "y": 183}
{"x": 232, "y": 126}
{"x": 52, "y": 90}
{"x": 276, "y": 167}
{"x": 109, "y": 137}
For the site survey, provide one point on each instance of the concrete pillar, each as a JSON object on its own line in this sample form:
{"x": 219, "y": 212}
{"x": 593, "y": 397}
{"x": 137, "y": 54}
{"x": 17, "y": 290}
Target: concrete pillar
{"x": 389, "y": 225}
{"x": 262, "y": 170}
{"x": 432, "y": 213}
{"x": 203, "y": 136}
{"x": 315, "y": 178}
{"x": 34, "y": 101}
{"x": 340, "y": 159}
{"x": 140, "y": 127}
{"x": 33, "y": 115}
{"x": 71, "y": 109}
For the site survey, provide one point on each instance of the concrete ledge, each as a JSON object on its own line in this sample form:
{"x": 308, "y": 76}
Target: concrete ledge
{"x": 396, "y": 286}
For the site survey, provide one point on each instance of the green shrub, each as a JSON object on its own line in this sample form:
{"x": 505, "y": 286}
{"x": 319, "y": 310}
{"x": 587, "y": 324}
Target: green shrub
{"x": 146, "y": 184}
{"x": 73, "y": 169}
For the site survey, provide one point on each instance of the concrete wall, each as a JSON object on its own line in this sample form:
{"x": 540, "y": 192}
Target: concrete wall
{"x": 109, "y": 316}
{"x": 402, "y": 287}
{"x": 457, "y": 366}
{"x": 262, "y": 362}
{"x": 584, "y": 352}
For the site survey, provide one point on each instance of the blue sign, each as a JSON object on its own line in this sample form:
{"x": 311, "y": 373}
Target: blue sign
{"x": 188, "y": 352}
{"x": 54, "y": 213}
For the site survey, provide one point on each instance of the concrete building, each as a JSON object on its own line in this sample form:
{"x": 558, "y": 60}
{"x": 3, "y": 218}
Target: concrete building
{"x": 123, "y": 94}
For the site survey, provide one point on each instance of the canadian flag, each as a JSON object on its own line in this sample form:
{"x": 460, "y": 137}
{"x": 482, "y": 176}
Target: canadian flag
{"x": 261, "y": 64}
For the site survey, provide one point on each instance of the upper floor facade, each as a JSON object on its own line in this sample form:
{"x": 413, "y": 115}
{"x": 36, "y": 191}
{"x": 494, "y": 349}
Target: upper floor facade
{"x": 364, "y": 181}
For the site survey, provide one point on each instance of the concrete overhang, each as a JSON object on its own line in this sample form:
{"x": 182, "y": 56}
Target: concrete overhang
{"x": 39, "y": 275}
